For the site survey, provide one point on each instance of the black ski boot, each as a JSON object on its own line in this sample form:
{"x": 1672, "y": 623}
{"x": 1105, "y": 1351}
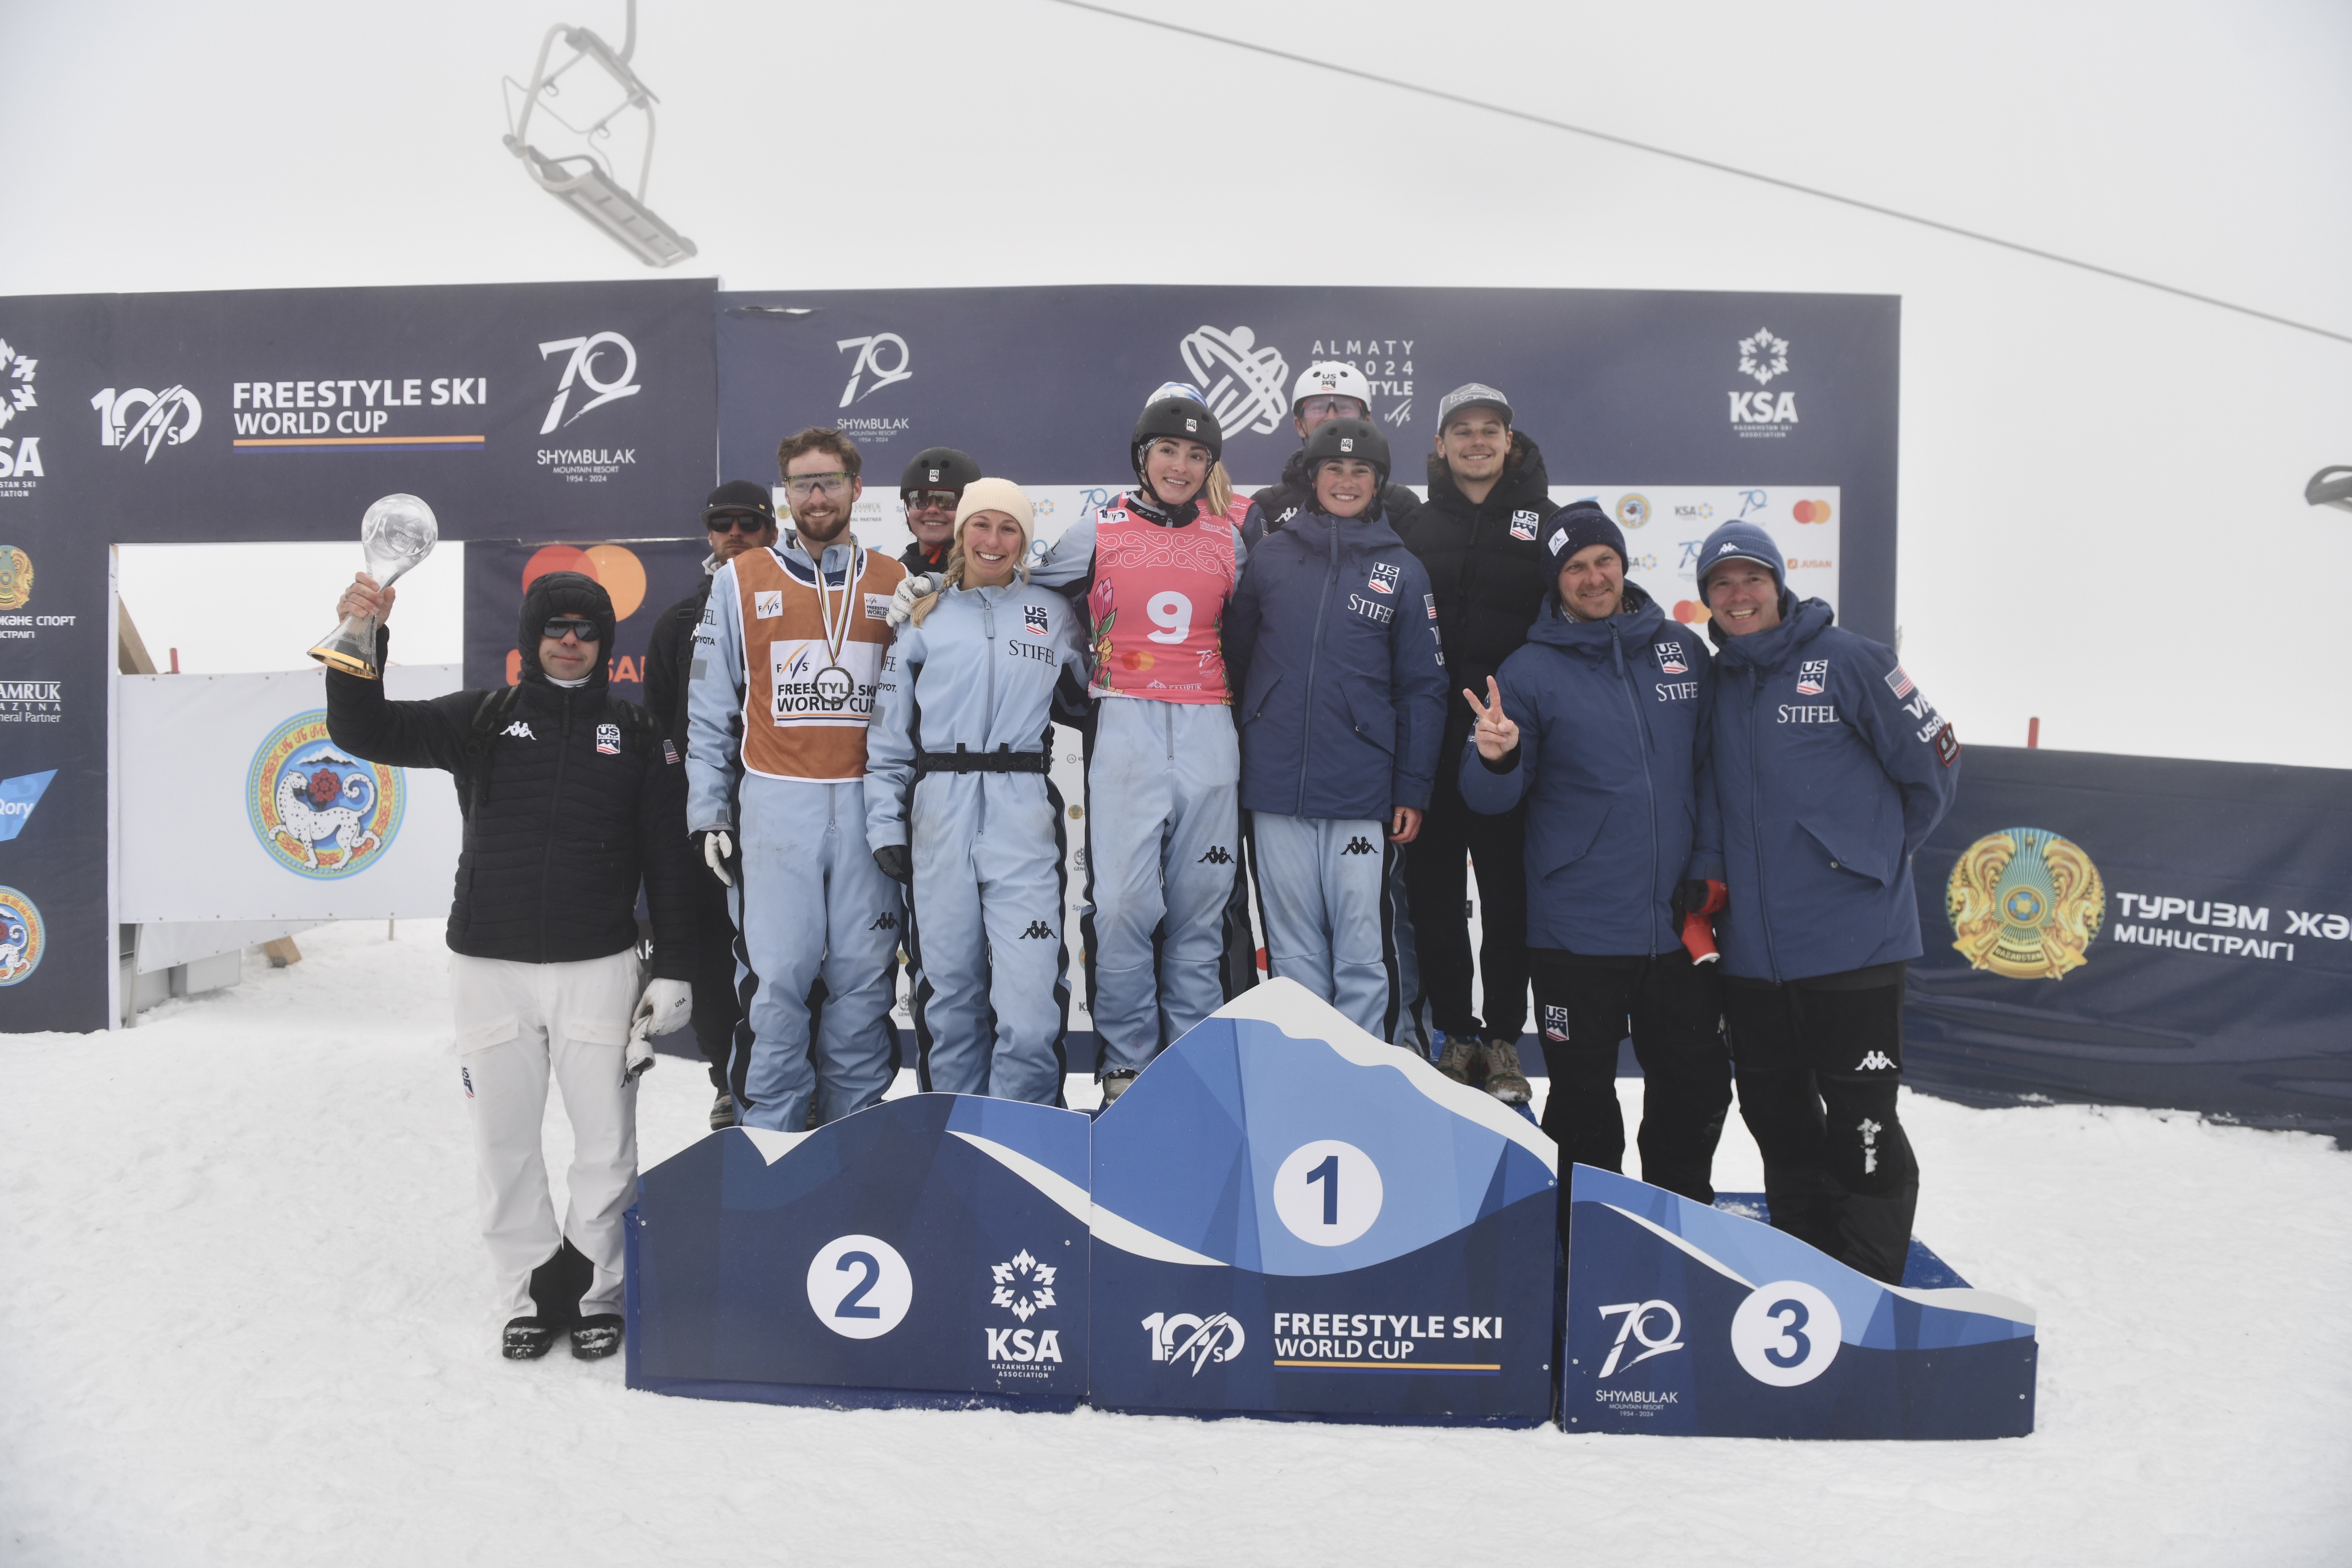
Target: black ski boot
{"x": 596, "y": 1336}
{"x": 526, "y": 1339}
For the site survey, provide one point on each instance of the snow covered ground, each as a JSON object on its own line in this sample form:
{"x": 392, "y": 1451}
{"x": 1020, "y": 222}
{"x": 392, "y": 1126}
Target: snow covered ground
{"x": 242, "y": 1323}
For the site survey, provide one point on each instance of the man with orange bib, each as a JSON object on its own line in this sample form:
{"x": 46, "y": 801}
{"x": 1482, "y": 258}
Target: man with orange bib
{"x": 783, "y": 690}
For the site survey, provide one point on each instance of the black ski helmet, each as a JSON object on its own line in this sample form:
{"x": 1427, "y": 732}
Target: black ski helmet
{"x": 938, "y": 468}
{"x": 1180, "y": 418}
{"x": 1348, "y": 438}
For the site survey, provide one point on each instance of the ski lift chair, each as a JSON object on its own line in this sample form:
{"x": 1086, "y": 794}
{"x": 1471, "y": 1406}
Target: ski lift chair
{"x": 2330, "y": 487}
{"x": 585, "y": 180}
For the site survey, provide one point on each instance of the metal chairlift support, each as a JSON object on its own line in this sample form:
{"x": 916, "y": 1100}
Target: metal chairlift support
{"x": 589, "y": 188}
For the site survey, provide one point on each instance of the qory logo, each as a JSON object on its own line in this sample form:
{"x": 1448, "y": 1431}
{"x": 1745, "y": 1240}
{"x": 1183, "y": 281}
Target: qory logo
{"x": 1248, "y": 386}
{"x": 139, "y": 415}
{"x": 1636, "y": 1327}
{"x": 1181, "y": 1336}
{"x": 580, "y": 370}
{"x": 1024, "y": 1287}
{"x": 869, "y": 362}
{"x": 15, "y": 367}
{"x": 17, "y": 797}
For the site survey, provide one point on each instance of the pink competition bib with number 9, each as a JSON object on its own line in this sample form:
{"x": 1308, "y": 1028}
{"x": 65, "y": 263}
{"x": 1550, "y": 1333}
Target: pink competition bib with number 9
{"x": 1158, "y": 599}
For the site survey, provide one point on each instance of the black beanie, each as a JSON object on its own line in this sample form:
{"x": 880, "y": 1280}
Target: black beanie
{"x": 1574, "y": 527}
{"x": 563, "y": 594}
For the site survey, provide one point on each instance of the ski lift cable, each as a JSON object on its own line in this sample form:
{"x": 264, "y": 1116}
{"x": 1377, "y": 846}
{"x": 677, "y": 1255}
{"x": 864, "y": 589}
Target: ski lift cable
{"x": 1733, "y": 169}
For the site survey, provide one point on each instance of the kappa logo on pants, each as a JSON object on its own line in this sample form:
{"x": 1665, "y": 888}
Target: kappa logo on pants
{"x": 1876, "y": 1061}
{"x": 1216, "y": 856}
{"x": 1038, "y": 930}
{"x": 1556, "y": 1024}
{"x": 885, "y": 921}
{"x": 1359, "y": 844}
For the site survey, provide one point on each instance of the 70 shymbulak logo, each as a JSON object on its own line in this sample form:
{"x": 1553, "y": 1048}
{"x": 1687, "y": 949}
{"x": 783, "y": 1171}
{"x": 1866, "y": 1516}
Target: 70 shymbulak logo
{"x": 1635, "y": 1328}
{"x": 581, "y": 369}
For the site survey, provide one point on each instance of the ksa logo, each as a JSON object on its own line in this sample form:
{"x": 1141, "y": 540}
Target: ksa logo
{"x": 1024, "y": 1287}
{"x": 150, "y": 419}
{"x": 2025, "y": 903}
{"x": 1183, "y": 1337}
{"x": 1763, "y": 356}
{"x": 21, "y": 938}
{"x": 869, "y": 363}
{"x": 1248, "y": 385}
{"x": 18, "y": 368}
{"x": 581, "y": 370}
{"x": 316, "y": 812}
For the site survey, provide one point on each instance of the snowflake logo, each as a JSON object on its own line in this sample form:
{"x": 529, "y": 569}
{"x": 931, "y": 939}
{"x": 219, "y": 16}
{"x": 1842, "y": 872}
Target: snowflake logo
{"x": 16, "y": 367}
{"x": 1023, "y": 1287}
{"x": 1763, "y": 356}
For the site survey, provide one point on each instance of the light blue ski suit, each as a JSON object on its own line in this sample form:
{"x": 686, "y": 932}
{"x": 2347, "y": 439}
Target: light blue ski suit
{"x": 977, "y": 677}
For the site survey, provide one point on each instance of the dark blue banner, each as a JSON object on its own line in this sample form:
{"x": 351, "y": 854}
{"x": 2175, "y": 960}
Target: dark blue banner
{"x": 644, "y": 578}
{"x": 2139, "y": 930}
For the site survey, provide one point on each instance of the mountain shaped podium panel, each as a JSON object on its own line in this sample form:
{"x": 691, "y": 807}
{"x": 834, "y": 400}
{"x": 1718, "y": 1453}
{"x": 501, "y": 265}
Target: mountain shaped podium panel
{"x": 1295, "y": 1219}
{"x": 1685, "y": 1321}
{"x": 926, "y": 1251}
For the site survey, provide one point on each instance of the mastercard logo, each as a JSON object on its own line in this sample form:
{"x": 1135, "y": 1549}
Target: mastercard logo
{"x": 1810, "y": 511}
{"x": 1691, "y": 613}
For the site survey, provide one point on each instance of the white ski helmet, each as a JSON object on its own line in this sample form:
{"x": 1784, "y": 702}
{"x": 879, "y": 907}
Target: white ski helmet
{"x": 1332, "y": 378}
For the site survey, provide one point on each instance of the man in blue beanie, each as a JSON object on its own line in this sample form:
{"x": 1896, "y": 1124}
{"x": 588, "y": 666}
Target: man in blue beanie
{"x": 1830, "y": 768}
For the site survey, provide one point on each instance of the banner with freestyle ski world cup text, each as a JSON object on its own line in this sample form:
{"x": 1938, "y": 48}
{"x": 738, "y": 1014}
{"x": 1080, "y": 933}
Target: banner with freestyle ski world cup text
{"x": 530, "y": 411}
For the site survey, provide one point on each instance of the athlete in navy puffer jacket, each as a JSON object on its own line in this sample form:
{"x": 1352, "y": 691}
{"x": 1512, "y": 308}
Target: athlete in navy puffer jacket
{"x": 1830, "y": 769}
{"x": 1599, "y": 721}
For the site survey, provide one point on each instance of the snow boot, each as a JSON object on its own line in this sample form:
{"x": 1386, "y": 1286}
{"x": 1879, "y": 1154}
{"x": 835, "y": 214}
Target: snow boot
{"x": 526, "y": 1339}
{"x": 1459, "y": 1060}
{"x": 722, "y": 1111}
{"x": 1115, "y": 1083}
{"x": 596, "y": 1336}
{"x": 1504, "y": 1081}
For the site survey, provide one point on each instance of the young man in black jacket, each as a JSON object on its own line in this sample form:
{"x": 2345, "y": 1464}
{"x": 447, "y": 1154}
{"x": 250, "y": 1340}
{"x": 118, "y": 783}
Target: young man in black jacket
{"x": 572, "y": 798}
{"x": 739, "y": 516}
{"x": 1476, "y": 535}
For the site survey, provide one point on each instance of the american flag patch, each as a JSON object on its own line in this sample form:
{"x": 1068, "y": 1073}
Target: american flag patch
{"x": 669, "y": 754}
{"x": 1899, "y": 682}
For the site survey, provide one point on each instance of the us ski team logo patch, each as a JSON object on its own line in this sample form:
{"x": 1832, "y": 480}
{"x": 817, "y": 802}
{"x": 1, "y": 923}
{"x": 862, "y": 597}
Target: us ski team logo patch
{"x": 1033, "y": 619}
{"x": 1811, "y": 676}
{"x": 608, "y": 739}
{"x": 1556, "y": 1024}
{"x": 1385, "y": 577}
{"x": 1523, "y": 525}
{"x": 1670, "y": 658}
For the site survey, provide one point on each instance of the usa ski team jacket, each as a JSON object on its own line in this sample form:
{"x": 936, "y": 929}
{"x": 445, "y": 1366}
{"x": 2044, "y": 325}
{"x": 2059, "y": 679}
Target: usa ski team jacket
{"x": 1829, "y": 769}
{"x": 1613, "y": 723}
{"x": 979, "y": 673}
{"x": 1332, "y": 641}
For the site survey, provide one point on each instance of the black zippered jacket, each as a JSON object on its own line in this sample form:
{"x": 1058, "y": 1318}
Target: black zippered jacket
{"x": 572, "y": 801}
{"x": 1486, "y": 569}
{"x": 669, "y": 663}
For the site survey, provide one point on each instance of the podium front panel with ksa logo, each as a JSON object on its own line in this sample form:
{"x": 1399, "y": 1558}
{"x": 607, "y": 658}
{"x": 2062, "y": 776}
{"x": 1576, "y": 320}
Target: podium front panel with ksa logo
{"x": 1292, "y": 1219}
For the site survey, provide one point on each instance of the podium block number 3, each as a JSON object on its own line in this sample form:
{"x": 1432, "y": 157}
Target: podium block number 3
{"x": 1328, "y": 1193}
{"x": 1786, "y": 1333}
{"x": 859, "y": 1287}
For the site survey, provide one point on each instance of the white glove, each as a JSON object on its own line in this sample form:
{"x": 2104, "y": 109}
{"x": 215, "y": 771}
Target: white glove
{"x": 915, "y": 586}
{"x": 666, "y": 1005}
{"x": 717, "y": 844}
{"x": 638, "y": 1057}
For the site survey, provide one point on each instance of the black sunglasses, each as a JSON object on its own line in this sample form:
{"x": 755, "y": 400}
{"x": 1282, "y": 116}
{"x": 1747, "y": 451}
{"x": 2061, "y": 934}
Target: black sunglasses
{"x": 736, "y": 522}
{"x": 585, "y": 630}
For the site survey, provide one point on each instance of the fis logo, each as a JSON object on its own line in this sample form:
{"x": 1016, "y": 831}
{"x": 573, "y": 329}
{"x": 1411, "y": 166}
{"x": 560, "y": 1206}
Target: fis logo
{"x": 155, "y": 419}
{"x": 1248, "y": 386}
{"x": 608, "y": 739}
{"x": 869, "y": 362}
{"x": 1038, "y": 932}
{"x": 1385, "y": 577}
{"x": 1670, "y": 658}
{"x": 1217, "y": 855}
{"x": 1181, "y": 1336}
{"x": 581, "y": 369}
{"x": 520, "y": 729}
{"x": 1636, "y": 1327}
{"x": 768, "y": 604}
{"x": 1876, "y": 1061}
{"x": 1359, "y": 844}
{"x": 1034, "y": 619}
{"x": 1811, "y": 676}
{"x": 1556, "y": 1024}
{"x": 1523, "y": 525}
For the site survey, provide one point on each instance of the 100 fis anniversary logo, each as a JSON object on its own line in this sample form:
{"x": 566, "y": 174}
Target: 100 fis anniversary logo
{"x": 318, "y": 812}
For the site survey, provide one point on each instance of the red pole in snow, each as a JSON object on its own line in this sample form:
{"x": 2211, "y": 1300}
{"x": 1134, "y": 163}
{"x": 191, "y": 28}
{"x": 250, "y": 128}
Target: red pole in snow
{"x": 176, "y": 661}
{"x": 2033, "y": 734}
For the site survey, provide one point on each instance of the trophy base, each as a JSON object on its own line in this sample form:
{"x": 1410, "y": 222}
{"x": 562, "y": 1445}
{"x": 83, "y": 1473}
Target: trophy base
{"x": 350, "y": 649}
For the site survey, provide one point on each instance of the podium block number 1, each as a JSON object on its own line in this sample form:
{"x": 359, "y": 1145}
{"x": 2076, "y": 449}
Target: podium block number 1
{"x": 1328, "y": 1193}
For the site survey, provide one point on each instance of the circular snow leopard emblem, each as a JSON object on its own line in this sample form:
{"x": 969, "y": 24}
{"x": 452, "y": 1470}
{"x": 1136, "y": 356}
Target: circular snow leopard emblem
{"x": 315, "y": 810}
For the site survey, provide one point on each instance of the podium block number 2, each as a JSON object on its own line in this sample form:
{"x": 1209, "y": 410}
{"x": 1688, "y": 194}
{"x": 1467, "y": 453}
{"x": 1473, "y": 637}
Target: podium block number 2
{"x": 1328, "y": 1193}
{"x": 859, "y": 1287}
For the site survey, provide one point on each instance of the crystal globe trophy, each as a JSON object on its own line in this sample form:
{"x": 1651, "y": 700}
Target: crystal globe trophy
{"x": 397, "y": 532}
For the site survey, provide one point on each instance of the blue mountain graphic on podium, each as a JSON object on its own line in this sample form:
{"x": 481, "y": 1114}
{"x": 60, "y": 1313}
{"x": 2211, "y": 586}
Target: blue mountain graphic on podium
{"x": 1293, "y": 1218}
{"x": 926, "y": 1251}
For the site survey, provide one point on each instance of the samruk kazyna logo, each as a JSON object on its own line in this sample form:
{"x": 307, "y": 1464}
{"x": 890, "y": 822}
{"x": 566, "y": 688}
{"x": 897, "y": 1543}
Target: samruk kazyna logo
{"x": 2025, "y": 903}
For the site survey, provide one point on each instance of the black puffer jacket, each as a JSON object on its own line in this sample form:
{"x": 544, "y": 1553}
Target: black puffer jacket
{"x": 670, "y": 661}
{"x": 1486, "y": 567}
{"x": 571, "y": 799}
{"x": 1280, "y": 502}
